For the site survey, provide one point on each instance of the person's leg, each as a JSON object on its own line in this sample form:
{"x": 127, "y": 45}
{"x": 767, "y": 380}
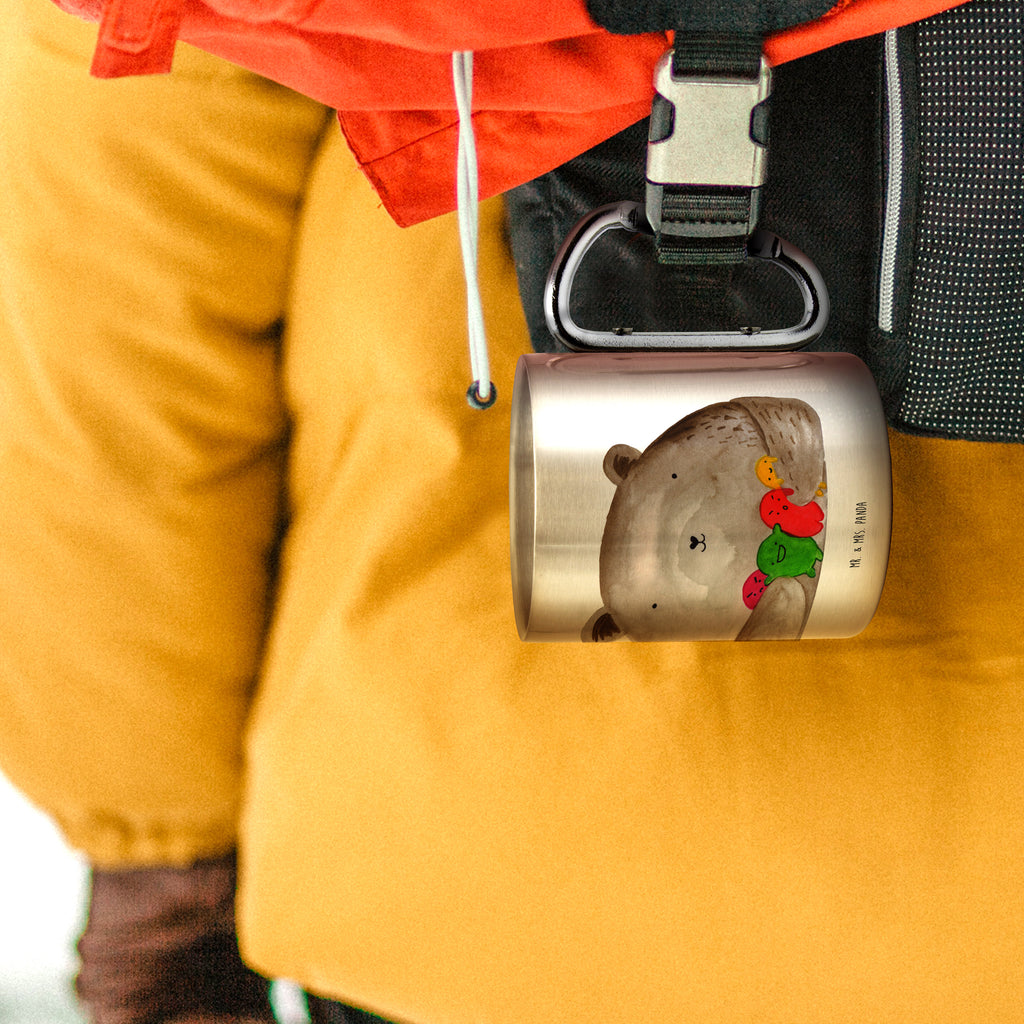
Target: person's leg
{"x": 144, "y": 255}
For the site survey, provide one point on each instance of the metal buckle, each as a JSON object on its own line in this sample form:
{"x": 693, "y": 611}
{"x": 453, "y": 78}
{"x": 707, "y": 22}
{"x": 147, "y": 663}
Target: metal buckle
{"x": 713, "y": 136}
{"x": 630, "y": 217}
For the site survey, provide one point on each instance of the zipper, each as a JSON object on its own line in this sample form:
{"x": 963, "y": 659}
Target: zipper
{"x": 893, "y": 185}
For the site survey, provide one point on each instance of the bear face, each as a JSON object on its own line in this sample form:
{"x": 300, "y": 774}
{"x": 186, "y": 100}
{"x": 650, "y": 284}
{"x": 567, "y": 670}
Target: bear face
{"x": 684, "y": 527}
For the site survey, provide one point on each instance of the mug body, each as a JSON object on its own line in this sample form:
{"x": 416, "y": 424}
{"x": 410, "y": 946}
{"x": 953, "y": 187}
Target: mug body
{"x": 697, "y": 496}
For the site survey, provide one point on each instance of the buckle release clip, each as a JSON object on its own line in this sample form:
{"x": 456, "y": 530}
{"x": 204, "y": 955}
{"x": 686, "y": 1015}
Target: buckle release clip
{"x": 706, "y": 156}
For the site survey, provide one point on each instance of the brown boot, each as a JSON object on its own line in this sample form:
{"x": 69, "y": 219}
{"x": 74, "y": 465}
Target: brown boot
{"x": 159, "y": 946}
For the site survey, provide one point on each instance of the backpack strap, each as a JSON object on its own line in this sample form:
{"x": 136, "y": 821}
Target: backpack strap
{"x": 734, "y": 17}
{"x": 709, "y": 124}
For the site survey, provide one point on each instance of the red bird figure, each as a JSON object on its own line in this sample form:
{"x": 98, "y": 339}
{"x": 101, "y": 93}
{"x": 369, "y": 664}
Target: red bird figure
{"x": 796, "y": 520}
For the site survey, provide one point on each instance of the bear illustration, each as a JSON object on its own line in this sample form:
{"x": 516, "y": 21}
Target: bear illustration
{"x": 684, "y": 527}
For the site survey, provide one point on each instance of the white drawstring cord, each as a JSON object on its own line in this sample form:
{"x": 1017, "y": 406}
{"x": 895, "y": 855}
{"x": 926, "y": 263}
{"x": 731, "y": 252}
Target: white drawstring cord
{"x": 481, "y": 393}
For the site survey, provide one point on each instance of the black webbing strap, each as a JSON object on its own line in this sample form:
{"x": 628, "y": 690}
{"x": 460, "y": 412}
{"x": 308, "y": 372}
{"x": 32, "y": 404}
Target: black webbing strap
{"x": 686, "y": 208}
{"x": 715, "y": 54}
{"x": 741, "y": 17}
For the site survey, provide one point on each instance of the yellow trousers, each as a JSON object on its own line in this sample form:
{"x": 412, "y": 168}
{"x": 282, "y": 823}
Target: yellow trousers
{"x": 254, "y": 588}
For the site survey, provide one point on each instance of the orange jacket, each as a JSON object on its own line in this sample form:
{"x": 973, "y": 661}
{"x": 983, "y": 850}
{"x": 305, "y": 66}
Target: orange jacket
{"x": 549, "y": 83}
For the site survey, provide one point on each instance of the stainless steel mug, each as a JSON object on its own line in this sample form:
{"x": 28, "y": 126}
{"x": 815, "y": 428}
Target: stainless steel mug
{"x": 697, "y": 496}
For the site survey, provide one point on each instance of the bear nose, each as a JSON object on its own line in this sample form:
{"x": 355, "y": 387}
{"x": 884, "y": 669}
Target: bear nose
{"x": 701, "y": 543}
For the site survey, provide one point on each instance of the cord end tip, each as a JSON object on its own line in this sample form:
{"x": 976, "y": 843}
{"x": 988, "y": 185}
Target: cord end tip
{"x": 479, "y": 401}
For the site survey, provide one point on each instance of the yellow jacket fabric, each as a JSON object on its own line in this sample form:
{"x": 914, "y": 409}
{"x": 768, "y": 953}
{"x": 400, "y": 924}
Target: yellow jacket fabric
{"x": 212, "y": 338}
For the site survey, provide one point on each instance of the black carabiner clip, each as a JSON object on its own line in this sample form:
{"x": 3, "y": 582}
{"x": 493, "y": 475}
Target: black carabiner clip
{"x": 629, "y": 216}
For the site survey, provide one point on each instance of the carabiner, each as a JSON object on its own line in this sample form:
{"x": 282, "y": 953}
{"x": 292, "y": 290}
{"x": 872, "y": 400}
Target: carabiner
{"x": 628, "y": 216}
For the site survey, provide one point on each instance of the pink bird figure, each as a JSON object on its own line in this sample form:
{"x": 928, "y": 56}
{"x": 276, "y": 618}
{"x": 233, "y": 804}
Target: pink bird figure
{"x": 754, "y": 588}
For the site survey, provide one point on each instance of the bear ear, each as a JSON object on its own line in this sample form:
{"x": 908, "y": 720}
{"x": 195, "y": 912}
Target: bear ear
{"x": 601, "y": 628}
{"x": 619, "y": 461}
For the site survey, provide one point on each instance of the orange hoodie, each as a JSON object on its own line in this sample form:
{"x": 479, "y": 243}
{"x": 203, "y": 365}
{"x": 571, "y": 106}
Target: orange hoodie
{"x": 549, "y": 83}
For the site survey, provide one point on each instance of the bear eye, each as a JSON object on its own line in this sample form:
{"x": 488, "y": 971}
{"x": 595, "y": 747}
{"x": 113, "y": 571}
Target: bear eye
{"x": 675, "y": 476}
{"x": 655, "y": 605}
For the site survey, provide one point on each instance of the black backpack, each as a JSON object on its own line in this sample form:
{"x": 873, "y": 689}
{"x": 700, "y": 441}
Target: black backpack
{"x": 896, "y": 163}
